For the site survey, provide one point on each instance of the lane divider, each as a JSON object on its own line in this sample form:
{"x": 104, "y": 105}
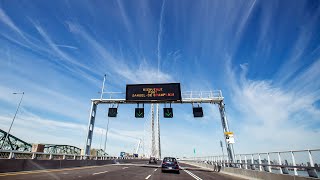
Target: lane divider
{"x": 151, "y": 174}
{"x": 148, "y": 176}
{"x": 192, "y": 175}
{"x": 100, "y": 172}
{"x": 125, "y": 168}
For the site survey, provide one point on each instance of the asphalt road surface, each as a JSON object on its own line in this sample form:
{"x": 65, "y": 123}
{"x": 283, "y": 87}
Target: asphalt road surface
{"x": 117, "y": 172}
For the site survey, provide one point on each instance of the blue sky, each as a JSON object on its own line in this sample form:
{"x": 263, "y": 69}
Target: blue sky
{"x": 263, "y": 55}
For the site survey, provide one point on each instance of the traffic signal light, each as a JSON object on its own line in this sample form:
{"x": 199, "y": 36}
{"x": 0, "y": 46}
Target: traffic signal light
{"x": 139, "y": 113}
{"x": 197, "y": 112}
{"x": 112, "y": 112}
{"x": 167, "y": 112}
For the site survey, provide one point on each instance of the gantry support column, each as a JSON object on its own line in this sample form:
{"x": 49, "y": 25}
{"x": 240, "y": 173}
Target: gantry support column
{"x": 225, "y": 128}
{"x": 90, "y": 128}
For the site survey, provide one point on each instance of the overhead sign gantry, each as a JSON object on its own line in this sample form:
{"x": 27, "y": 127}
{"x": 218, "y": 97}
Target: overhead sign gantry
{"x": 161, "y": 93}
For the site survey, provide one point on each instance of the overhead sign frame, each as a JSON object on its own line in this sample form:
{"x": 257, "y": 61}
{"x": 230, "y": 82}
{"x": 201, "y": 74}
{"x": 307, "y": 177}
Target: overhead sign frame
{"x": 212, "y": 98}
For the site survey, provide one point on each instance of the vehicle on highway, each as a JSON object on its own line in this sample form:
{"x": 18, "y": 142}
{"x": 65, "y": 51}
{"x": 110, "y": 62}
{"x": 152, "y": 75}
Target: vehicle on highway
{"x": 153, "y": 160}
{"x": 170, "y": 164}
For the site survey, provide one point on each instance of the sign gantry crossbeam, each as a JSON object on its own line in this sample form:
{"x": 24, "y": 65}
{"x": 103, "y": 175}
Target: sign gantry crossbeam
{"x": 183, "y": 101}
{"x": 188, "y": 97}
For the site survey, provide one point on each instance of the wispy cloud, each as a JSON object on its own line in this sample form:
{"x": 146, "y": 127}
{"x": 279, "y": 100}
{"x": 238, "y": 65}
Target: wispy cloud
{"x": 143, "y": 73}
{"x": 124, "y": 16}
{"x": 7, "y": 20}
{"x": 66, "y": 46}
{"x": 160, "y": 35}
{"x": 264, "y": 108}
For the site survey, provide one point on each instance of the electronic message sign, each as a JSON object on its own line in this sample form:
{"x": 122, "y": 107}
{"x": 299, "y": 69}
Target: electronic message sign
{"x": 153, "y": 92}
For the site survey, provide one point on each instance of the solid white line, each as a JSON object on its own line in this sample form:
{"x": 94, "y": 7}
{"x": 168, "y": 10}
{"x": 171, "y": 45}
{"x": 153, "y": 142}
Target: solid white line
{"x": 148, "y": 176}
{"x": 99, "y": 172}
{"x": 192, "y": 175}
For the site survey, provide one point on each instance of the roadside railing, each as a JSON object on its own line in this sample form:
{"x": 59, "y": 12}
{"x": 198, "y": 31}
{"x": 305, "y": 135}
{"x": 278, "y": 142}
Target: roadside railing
{"x": 298, "y": 163}
{"x": 46, "y": 156}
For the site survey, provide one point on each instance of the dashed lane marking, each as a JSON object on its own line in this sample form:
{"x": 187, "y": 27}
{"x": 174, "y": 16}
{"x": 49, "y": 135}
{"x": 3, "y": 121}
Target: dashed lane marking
{"x": 148, "y": 177}
{"x": 100, "y": 172}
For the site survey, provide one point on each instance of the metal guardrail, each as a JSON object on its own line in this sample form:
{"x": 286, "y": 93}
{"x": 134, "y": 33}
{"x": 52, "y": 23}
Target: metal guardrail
{"x": 51, "y": 156}
{"x": 298, "y": 163}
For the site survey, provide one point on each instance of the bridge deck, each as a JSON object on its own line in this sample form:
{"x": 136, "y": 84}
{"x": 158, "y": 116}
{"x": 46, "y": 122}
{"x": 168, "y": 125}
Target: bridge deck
{"x": 120, "y": 171}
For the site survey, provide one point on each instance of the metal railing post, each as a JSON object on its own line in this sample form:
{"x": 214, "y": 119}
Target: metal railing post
{"x": 312, "y": 172}
{"x": 252, "y": 162}
{"x": 241, "y": 166}
{"x": 34, "y": 156}
{"x": 280, "y": 163}
{"x": 260, "y": 167}
{"x": 269, "y": 163}
{"x": 310, "y": 158}
{"x": 11, "y": 155}
{"x": 294, "y": 163}
{"x": 245, "y": 159}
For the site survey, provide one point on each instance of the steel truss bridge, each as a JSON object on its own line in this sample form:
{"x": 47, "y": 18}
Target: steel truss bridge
{"x": 15, "y": 144}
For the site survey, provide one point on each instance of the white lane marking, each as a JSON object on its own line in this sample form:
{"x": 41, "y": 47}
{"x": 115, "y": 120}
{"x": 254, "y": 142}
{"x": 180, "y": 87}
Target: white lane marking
{"x": 155, "y": 170}
{"x": 148, "y": 177}
{"x": 125, "y": 168}
{"x": 99, "y": 172}
{"x": 65, "y": 173}
{"x": 192, "y": 175}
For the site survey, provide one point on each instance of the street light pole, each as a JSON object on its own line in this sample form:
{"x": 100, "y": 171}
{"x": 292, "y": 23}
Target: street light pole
{"x": 14, "y": 117}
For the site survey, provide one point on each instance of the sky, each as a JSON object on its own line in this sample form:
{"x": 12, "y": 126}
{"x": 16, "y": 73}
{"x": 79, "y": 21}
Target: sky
{"x": 263, "y": 55}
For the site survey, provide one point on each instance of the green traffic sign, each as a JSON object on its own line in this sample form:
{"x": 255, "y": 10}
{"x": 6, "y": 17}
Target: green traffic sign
{"x": 167, "y": 113}
{"x": 139, "y": 113}
{"x": 112, "y": 112}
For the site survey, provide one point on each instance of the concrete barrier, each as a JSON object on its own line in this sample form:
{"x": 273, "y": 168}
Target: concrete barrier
{"x": 251, "y": 174}
{"x": 14, "y": 165}
{"x": 262, "y": 174}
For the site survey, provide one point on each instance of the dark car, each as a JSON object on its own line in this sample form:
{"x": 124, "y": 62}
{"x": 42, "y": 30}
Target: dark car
{"x": 170, "y": 164}
{"x": 152, "y": 160}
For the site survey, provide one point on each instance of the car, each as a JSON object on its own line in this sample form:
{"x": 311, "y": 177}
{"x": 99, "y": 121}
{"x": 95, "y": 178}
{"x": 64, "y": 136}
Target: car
{"x": 170, "y": 164}
{"x": 153, "y": 160}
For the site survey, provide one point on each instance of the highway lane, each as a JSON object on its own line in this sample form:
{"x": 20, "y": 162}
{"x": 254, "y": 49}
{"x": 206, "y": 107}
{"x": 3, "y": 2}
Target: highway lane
{"x": 117, "y": 172}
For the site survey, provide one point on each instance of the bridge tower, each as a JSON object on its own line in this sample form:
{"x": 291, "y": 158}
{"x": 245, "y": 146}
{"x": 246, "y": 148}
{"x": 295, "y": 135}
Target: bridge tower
{"x": 158, "y": 133}
{"x": 153, "y": 138}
